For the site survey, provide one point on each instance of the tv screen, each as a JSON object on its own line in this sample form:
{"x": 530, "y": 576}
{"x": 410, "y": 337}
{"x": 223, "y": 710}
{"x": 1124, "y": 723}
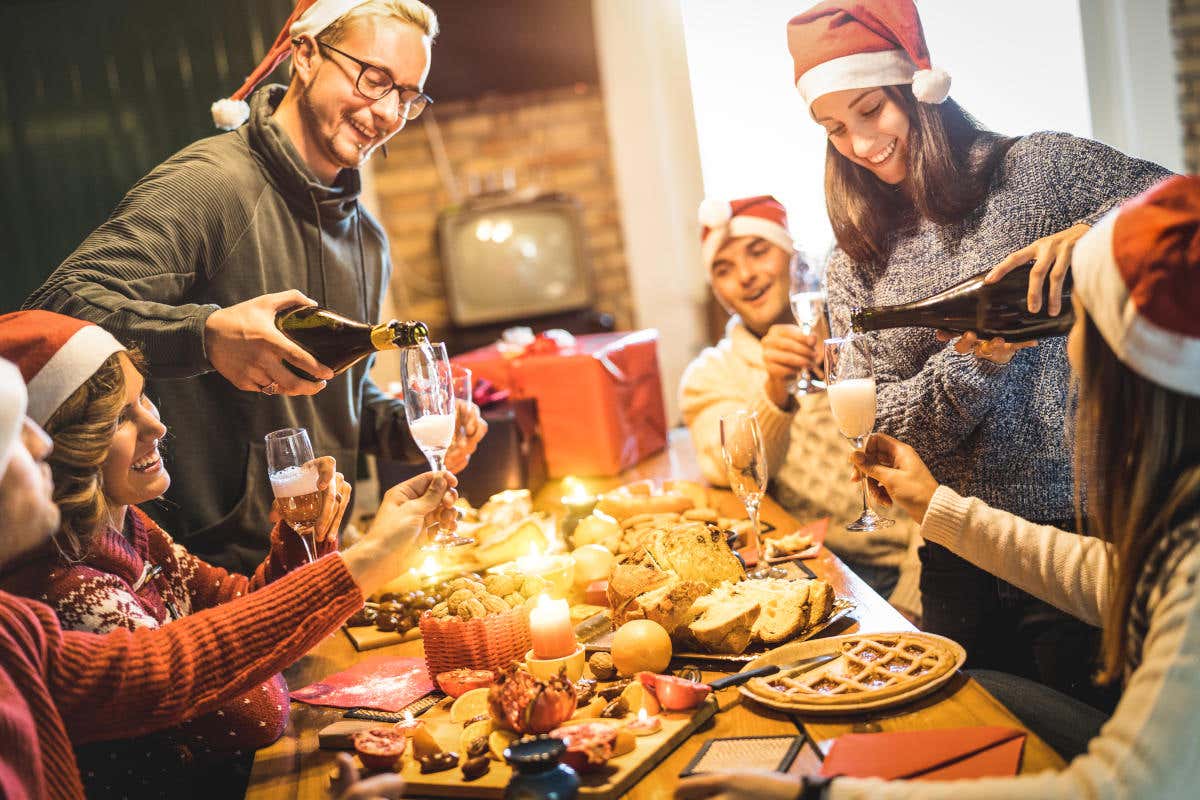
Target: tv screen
{"x": 513, "y": 259}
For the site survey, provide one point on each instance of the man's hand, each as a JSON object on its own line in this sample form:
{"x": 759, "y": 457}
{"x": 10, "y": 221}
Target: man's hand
{"x": 786, "y": 351}
{"x": 467, "y": 433}
{"x": 244, "y": 345}
{"x": 900, "y": 473}
{"x": 348, "y": 785}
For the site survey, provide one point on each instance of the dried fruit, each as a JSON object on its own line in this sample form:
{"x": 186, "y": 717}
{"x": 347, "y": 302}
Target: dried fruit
{"x": 438, "y": 762}
{"x": 614, "y": 691}
{"x": 616, "y": 709}
{"x": 602, "y": 666}
{"x": 585, "y": 690}
{"x": 476, "y": 767}
{"x": 478, "y": 747}
{"x": 364, "y": 616}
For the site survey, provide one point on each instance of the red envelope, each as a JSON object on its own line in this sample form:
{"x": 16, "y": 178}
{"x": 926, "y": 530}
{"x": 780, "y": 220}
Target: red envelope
{"x": 939, "y": 755}
{"x": 388, "y": 683}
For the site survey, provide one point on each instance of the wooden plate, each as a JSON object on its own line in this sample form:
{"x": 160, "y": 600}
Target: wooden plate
{"x": 796, "y": 651}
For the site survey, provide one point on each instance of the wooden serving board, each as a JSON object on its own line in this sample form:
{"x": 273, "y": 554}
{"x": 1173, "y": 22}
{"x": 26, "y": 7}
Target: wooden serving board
{"x": 368, "y": 637}
{"x": 609, "y": 783}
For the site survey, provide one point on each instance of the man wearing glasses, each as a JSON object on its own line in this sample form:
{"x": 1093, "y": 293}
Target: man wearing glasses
{"x": 202, "y": 252}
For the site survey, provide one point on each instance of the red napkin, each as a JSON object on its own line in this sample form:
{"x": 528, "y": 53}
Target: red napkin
{"x": 939, "y": 755}
{"x": 388, "y": 683}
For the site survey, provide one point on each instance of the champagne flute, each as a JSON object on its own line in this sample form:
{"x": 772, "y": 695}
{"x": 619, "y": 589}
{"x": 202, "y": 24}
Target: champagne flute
{"x": 432, "y": 418}
{"x": 746, "y": 466}
{"x": 850, "y": 381}
{"x": 808, "y": 307}
{"x": 294, "y": 480}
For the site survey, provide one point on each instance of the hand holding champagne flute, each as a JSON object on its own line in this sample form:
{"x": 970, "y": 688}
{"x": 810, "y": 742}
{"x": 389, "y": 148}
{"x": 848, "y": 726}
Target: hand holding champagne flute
{"x": 299, "y": 482}
{"x": 432, "y": 413}
{"x": 850, "y": 381}
{"x": 746, "y": 467}
{"x": 808, "y": 307}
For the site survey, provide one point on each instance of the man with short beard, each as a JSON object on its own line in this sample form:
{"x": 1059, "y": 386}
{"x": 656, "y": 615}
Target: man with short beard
{"x": 747, "y": 253}
{"x": 199, "y": 256}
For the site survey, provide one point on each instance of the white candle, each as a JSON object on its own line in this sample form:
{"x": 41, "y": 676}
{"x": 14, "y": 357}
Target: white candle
{"x": 550, "y": 629}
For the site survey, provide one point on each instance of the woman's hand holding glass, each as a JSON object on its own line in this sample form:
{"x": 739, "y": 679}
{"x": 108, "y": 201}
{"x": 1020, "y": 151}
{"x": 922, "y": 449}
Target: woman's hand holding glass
{"x": 335, "y": 496}
{"x": 897, "y": 473}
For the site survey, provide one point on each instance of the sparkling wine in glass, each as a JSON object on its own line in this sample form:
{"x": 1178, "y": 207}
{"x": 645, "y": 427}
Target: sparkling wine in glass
{"x": 808, "y": 307}
{"x": 850, "y": 381}
{"x": 294, "y": 480}
{"x": 745, "y": 466}
{"x": 432, "y": 414}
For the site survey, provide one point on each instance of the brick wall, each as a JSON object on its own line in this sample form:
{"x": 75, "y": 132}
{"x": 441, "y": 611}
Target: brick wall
{"x": 1185, "y": 19}
{"x": 554, "y": 140}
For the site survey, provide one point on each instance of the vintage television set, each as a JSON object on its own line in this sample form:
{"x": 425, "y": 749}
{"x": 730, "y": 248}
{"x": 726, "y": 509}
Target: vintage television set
{"x": 512, "y": 260}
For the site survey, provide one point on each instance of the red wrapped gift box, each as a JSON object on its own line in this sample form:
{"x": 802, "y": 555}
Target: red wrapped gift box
{"x": 599, "y": 401}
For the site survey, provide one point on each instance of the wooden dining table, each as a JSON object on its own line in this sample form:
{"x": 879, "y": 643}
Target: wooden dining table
{"x": 296, "y": 767}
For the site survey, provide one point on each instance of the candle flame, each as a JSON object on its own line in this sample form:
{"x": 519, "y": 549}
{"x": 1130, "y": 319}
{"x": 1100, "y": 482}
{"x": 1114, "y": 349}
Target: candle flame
{"x": 430, "y": 567}
{"x": 543, "y": 600}
{"x": 642, "y": 715}
{"x": 408, "y": 717}
{"x": 575, "y": 489}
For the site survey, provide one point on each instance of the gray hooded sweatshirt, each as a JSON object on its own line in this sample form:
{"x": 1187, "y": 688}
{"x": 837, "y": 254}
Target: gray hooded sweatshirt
{"x": 224, "y": 220}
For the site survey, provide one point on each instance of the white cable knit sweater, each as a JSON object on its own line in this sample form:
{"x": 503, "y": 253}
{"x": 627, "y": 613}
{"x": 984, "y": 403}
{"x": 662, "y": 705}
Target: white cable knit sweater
{"x": 1151, "y": 745}
{"x": 808, "y": 459}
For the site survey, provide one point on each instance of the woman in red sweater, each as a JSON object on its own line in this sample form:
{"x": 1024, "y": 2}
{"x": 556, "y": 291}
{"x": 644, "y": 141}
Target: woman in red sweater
{"x": 110, "y": 566}
{"x": 59, "y": 688}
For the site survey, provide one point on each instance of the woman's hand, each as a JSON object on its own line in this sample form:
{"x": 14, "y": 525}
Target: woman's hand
{"x": 902, "y": 476}
{"x": 738, "y": 786}
{"x": 347, "y": 785}
{"x": 786, "y": 350}
{"x": 335, "y": 496}
{"x": 995, "y": 350}
{"x": 407, "y": 509}
{"x": 1051, "y": 255}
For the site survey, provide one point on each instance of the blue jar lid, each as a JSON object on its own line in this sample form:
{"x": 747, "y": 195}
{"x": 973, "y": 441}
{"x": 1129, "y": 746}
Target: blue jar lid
{"x": 535, "y": 752}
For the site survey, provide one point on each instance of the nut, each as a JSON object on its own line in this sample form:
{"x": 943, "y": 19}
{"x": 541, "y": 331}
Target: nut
{"x": 441, "y": 610}
{"x": 459, "y": 596}
{"x": 514, "y": 600}
{"x": 616, "y": 709}
{"x": 501, "y": 585}
{"x": 476, "y": 767}
{"x": 533, "y": 585}
{"x": 471, "y": 609}
{"x": 602, "y": 666}
{"x": 494, "y": 604}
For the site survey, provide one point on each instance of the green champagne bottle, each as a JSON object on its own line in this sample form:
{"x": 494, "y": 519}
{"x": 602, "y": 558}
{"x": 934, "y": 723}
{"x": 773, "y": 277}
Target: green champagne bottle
{"x": 339, "y": 342}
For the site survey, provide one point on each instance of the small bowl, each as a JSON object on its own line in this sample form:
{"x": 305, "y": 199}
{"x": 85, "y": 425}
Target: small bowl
{"x": 545, "y": 668}
{"x": 675, "y": 694}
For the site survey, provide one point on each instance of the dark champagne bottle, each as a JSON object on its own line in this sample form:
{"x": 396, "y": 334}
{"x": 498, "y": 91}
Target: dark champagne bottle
{"x": 989, "y": 309}
{"x": 339, "y": 342}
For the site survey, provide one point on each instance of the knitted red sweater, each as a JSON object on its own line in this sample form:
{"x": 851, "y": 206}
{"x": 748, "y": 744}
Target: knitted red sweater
{"x": 59, "y": 687}
{"x": 107, "y": 590}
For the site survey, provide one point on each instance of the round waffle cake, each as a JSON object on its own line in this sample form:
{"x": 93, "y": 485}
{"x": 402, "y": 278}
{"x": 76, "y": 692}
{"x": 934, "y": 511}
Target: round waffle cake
{"x": 870, "y": 671}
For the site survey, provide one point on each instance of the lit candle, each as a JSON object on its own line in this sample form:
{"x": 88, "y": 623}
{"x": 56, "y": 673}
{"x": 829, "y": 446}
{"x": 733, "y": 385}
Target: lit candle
{"x": 645, "y": 724}
{"x": 408, "y": 724}
{"x": 578, "y": 504}
{"x": 550, "y": 629}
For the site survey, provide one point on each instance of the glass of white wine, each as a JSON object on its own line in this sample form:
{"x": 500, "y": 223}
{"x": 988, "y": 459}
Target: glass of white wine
{"x": 808, "y": 307}
{"x": 294, "y": 480}
{"x": 432, "y": 413}
{"x": 746, "y": 467}
{"x": 850, "y": 381}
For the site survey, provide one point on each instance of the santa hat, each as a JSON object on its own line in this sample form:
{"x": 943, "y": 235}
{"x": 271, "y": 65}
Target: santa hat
{"x": 848, "y": 45}
{"x": 722, "y": 220}
{"x": 12, "y": 410}
{"x": 56, "y": 355}
{"x": 310, "y": 17}
{"x": 1137, "y": 272}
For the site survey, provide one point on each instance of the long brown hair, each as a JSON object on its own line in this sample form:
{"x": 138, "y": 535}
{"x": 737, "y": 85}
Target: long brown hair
{"x": 1138, "y": 462}
{"x": 82, "y": 429}
{"x": 943, "y": 183}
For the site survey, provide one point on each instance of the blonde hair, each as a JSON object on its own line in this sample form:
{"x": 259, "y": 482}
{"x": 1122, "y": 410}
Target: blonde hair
{"x": 412, "y": 12}
{"x": 82, "y": 429}
{"x": 1137, "y": 451}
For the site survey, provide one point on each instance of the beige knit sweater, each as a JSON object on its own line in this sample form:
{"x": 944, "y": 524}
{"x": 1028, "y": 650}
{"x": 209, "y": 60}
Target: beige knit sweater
{"x": 1150, "y": 747}
{"x": 808, "y": 459}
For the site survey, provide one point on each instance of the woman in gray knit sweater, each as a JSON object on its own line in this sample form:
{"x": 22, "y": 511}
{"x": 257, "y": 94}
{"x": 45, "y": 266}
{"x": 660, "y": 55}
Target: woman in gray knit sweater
{"x": 920, "y": 198}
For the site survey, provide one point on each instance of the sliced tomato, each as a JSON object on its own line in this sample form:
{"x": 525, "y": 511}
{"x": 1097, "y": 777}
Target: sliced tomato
{"x": 458, "y": 682}
{"x": 380, "y": 748}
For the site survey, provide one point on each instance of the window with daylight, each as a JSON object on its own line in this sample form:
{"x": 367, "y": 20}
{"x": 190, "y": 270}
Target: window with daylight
{"x": 757, "y": 138}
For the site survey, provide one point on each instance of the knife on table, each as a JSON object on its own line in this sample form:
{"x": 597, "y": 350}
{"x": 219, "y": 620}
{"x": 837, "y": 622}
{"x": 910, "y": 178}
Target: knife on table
{"x": 803, "y": 665}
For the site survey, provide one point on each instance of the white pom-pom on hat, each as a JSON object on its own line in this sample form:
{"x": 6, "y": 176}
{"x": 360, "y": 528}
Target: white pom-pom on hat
{"x": 228, "y": 114}
{"x": 931, "y": 85}
{"x": 715, "y": 213}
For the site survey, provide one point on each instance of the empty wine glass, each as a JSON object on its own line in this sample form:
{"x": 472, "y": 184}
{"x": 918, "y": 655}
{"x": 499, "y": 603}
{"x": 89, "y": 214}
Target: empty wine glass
{"x": 746, "y": 467}
{"x": 432, "y": 415}
{"x": 850, "y": 381}
{"x": 294, "y": 480}
{"x": 808, "y": 307}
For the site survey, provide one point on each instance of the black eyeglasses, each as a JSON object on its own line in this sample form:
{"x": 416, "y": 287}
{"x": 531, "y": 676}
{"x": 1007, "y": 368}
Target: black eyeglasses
{"x": 374, "y": 83}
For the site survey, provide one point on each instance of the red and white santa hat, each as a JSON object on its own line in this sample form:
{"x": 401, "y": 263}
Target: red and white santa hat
{"x": 856, "y": 45}
{"x": 722, "y": 220}
{"x": 12, "y": 410}
{"x": 309, "y": 17}
{"x": 56, "y": 355}
{"x": 1137, "y": 272}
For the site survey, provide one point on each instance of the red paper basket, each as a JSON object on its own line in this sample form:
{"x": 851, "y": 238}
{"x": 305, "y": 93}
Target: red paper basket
{"x": 492, "y": 642}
